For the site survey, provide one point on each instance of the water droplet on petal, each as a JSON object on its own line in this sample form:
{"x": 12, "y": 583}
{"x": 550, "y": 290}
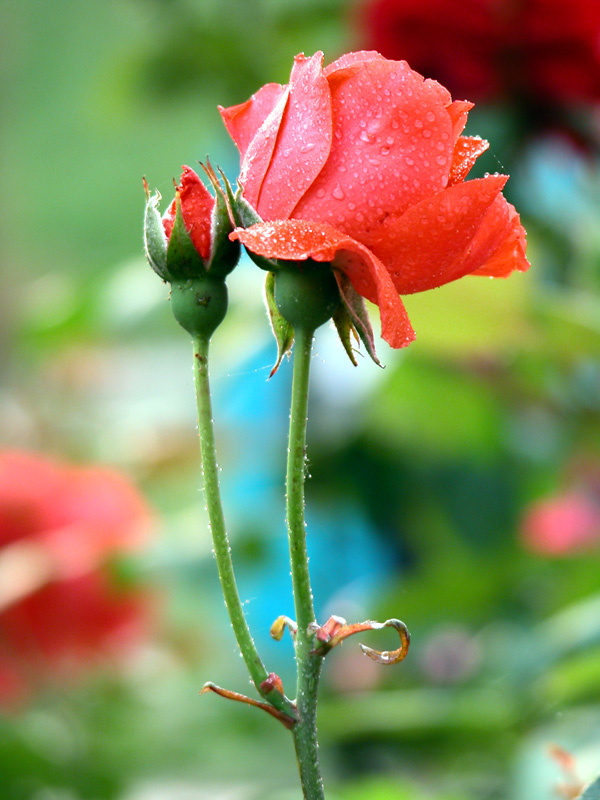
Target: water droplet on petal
{"x": 338, "y": 193}
{"x": 441, "y": 160}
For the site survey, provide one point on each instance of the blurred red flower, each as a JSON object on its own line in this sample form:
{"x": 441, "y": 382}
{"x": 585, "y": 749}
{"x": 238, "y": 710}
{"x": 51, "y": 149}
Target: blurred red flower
{"x": 59, "y": 609}
{"x": 536, "y": 50}
{"x": 565, "y": 524}
{"x": 362, "y": 164}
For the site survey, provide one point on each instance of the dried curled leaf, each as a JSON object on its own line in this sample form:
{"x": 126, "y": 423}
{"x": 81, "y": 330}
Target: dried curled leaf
{"x": 286, "y": 720}
{"x": 336, "y": 630}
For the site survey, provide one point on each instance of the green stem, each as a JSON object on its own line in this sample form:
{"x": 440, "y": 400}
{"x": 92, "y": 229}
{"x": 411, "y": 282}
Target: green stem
{"x": 221, "y": 547}
{"x": 309, "y": 666}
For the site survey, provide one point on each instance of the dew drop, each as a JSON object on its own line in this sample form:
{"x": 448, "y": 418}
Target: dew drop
{"x": 441, "y": 160}
{"x": 427, "y": 133}
{"x": 409, "y": 161}
{"x": 418, "y": 123}
{"x": 306, "y": 148}
{"x": 351, "y": 206}
{"x": 430, "y": 116}
{"x": 338, "y": 193}
{"x": 320, "y": 193}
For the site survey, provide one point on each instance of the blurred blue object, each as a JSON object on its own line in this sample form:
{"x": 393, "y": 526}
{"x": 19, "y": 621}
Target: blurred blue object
{"x": 347, "y": 560}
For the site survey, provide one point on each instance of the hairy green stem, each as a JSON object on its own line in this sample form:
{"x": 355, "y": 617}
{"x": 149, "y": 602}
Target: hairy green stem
{"x": 309, "y": 666}
{"x": 221, "y": 547}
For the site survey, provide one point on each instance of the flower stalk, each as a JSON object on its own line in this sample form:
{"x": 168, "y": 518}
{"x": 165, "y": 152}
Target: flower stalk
{"x": 222, "y": 550}
{"x": 308, "y": 664}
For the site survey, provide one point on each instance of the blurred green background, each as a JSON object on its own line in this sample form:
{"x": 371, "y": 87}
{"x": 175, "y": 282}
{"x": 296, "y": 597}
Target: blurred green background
{"x": 422, "y": 474}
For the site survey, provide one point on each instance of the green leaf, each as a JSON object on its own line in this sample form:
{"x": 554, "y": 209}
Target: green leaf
{"x": 346, "y": 330}
{"x": 357, "y": 311}
{"x": 591, "y": 792}
{"x": 155, "y": 239}
{"x": 183, "y": 260}
{"x": 282, "y": 330}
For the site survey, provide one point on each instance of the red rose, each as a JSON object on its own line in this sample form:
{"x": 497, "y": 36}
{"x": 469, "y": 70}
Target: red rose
{"x": 543, "y": 50}
{"x": 362, "y": 165}
{"x": 58, "y": 608}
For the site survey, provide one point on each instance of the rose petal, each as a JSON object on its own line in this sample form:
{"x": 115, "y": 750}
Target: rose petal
{"x": 392, "y": 146}
{"x": 197, "y": 205}
{"x": 510, "y": 254}
{"x": 350, "y": 59}
{"x": 431, "y": 244}
{"x": 458, "y": 111}
{"x": 303, "y": 141}
{"x": 297, "y": 240}
{"x": 244, "y": 120}
{"x": 257, "y": 157}
{"x": 466, "y": 152}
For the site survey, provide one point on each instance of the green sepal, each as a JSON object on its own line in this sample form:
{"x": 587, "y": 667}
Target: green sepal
{"x": 357, "y": 311}
{"x": 183, "y": 260}
{"x": 245, "y": 217}
{"x": 346, "y": 331}
{"x": 155, "y": 238}
{"x": 282, "y": 330}
{"x": 225, "y": 254}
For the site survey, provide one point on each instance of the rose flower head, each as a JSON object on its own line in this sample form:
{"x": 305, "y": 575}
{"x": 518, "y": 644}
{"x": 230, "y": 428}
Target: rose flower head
{"x": 362, "y": 165}
{"x": 60, "y": 610}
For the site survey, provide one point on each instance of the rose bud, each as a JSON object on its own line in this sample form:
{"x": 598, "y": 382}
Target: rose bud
{"x": 190, "y": 248}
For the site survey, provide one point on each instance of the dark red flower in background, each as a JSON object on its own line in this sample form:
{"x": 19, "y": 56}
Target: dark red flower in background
{"x": 537, "y": 50}
{"x": 59, "y": 608}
